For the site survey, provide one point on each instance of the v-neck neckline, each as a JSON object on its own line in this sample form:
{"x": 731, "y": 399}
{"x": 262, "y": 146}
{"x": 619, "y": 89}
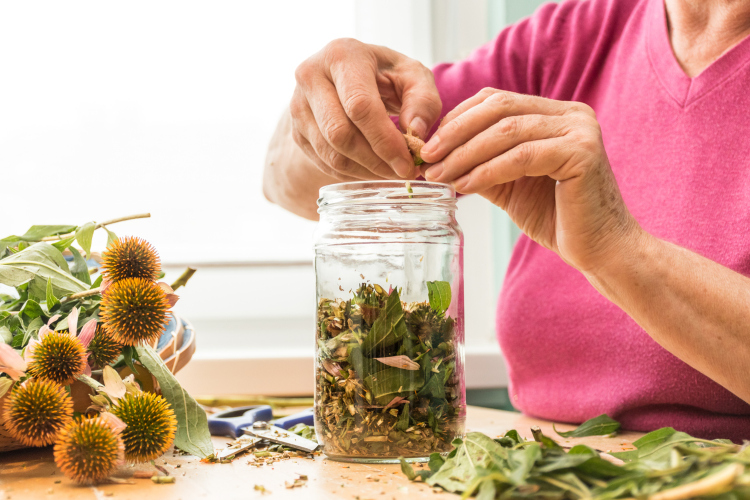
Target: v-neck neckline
{"x": 680, "y": 87}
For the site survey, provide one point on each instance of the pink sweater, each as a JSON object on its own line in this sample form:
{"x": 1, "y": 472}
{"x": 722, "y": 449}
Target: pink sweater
{"x": 680, "y": 150}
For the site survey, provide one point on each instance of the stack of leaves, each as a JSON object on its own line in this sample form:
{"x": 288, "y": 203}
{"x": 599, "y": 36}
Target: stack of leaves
{"x": 48, "y": 291}
{"x": 665, "y": 465}
{"x": 386, "y": 381}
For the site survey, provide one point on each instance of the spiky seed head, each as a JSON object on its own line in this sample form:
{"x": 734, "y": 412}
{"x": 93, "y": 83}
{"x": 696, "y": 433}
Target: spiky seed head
{"x": 134, "y": 310}
{"x": 423, "y": 321}
{"x": 151, "y": 425}
{"x": 104, "y": 347}
{"x": 88, "y": 450}
{"x": 37, "y": 411}
{"x": 59, "y": 357}
{"x": 131, "y": 257}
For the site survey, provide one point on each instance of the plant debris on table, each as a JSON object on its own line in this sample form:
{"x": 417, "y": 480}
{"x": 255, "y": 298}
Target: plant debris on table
{"x": 665, "y": 465}
{"x": 386, "y": 374}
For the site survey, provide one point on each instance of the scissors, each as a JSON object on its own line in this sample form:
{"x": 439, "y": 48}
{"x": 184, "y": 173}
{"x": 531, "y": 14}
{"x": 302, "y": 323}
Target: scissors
{"x": 233, "y": 422}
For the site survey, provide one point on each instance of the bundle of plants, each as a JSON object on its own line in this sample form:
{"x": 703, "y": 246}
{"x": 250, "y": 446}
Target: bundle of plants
{"x": 73, "y": 319}
{"x": 665, "y": 465}
{"x": 386, "y": 374}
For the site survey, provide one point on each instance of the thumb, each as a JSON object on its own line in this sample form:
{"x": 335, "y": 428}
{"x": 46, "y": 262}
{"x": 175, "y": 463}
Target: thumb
{"x": 420, "y": 100}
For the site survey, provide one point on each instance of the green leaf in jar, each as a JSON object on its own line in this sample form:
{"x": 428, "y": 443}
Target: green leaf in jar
{"x": 439, "y": 293}
{"x": 388, "y": 329}
{"x": 391, "y": 382}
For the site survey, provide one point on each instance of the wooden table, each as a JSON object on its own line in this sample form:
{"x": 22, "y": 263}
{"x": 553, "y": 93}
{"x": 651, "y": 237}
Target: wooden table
{"x": 31, "y": 474}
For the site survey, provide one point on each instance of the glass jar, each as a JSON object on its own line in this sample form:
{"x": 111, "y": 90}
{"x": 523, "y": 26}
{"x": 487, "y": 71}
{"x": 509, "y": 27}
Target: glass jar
{"x": 389, "y": 370}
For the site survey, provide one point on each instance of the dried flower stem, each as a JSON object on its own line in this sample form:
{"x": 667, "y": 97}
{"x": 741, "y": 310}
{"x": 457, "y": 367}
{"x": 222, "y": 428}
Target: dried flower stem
{"x": 184, "y": 277}
{"x": 99, "y": 225}
{"x": 80, "y": 295}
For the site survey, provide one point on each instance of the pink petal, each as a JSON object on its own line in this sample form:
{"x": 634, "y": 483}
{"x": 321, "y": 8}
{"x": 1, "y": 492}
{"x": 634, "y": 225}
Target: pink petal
{"x": 87, "y": 370}
{"x": 403, "y": 362}
{"x": 11, "y": 362}
{"x": 43, "y": 331}
{"x": 112, "y": 421}
{"x": 103, "y": 287}
{"x": 73, "y": 321}
{"x": 332, "y": 368}
{"x": 87, "y": 332}
{"x": 52, "y": 320}
{"x": 164, "y": 286}
{"x": 172, "y": 297}
{"x": 28, "y": 353}
{"x": 395, "y": 401}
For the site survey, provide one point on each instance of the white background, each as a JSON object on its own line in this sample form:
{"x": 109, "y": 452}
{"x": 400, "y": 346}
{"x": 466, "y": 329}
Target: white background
{"x": 108, "y": 109}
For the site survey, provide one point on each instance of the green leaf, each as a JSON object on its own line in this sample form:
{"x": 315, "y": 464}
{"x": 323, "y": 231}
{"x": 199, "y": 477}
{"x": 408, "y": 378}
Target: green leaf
{"x": 80, "y": 269}
{"x": 44, "y": 261}
{"x": 51, "y": 299}
{"x": 36, "y": 233}
{"x": 439, "y": 293}
{"x": 473, "y": 452}
{"x": 391, "y": 382}
{"x": 598, "y": 426}
{"x": 85, "y": 235}
{"x": 31, "y": 309}
{"x": 128, "y": 353}
{"x": 522, "y": 460}
{"x": 111, "y": 237}
{"x": 192, "y": 424}
{"x": 407, "y": 469}
{"x": 62, "y": 245}
{"x": 388, "y": 329}
{"x": 5, "y": 335}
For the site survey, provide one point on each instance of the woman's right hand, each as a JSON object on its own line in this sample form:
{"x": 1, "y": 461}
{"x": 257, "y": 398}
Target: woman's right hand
{"x": 341, "y": 105}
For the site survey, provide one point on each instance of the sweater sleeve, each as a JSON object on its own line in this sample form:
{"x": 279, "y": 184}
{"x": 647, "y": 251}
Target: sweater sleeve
{"x": 548, "y": 54}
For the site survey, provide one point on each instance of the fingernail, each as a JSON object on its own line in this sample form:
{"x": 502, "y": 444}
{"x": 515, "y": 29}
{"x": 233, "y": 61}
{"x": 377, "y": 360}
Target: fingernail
{"x": 431, "y": 145}
{"x": 434, "y": 172}
{"x": 461, "y": 182}
{"x": 402, "y": 167}
{"x": 418, "y": 126}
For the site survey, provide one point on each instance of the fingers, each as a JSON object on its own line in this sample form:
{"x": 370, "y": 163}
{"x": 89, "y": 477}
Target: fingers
{"x": 309, "y": 138}
{"x": 494, "y": 141}
{"x": 340, "y": 133}
{"x": 420, "y": 100}
{"x": 355, "y": 83}
{"x": 535, "y": 158}
{"x": 481, "y": 111}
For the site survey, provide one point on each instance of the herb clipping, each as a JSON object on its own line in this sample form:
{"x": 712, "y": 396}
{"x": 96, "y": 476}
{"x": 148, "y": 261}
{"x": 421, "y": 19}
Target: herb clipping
{"x": 666, "y": 465}
{"x": 385, "y": 375}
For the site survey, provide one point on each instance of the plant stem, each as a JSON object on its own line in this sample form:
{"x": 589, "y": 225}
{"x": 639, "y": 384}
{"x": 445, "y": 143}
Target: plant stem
{"x": 99, "y": 225}
{"x": 184, "y": 277}
{"x": 80, "y": 295}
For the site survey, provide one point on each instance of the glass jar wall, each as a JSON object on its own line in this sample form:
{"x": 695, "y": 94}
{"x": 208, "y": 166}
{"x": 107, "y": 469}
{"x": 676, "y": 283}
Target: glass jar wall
{"x": 389, "y": 369}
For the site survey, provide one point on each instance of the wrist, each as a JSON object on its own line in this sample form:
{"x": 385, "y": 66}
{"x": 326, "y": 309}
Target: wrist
{"x": 631, "y": 259}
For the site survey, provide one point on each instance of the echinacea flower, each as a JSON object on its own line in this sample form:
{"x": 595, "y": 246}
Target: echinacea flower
{"x": 151, "y": 425}
{"x": 134, "y": 310}
{"x": 37, "y": 411}
{"x": 130, "y": 257}
{"x": 88, "y": 450}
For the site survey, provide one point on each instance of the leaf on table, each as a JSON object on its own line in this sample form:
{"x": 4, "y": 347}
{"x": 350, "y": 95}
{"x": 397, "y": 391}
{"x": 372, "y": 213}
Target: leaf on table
{"x": 80, "y": 268}
{"x": 597, "y": 426}
{"x": 476, "y": 451}
{"x": 44, "y": 261}
{"x": 192, "y": 424}
{"x": 85, "y": 235}
{"x": 388, "y": 329}
{"x": 439, "y": 293}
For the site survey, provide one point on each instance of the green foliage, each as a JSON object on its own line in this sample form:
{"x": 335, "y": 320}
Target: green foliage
{"x": 665, "y": 461}
{"x": 439, "y": 293}
{"x": 597, "y": 426}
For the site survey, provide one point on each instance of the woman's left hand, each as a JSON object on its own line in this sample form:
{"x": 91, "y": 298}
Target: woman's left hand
{"x": 543, "y": 162}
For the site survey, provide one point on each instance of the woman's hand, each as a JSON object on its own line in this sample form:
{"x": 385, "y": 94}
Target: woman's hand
{"x": 543, "y": 162}
{"x": 340, "y": 109}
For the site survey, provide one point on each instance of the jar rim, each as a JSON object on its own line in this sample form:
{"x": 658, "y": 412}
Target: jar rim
{"x": 391, "y": 192}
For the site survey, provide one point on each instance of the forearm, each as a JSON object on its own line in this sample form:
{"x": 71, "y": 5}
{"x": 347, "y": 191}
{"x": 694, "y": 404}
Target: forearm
{"x": 290, "y": 179}
{"x": 693, "y": 307}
